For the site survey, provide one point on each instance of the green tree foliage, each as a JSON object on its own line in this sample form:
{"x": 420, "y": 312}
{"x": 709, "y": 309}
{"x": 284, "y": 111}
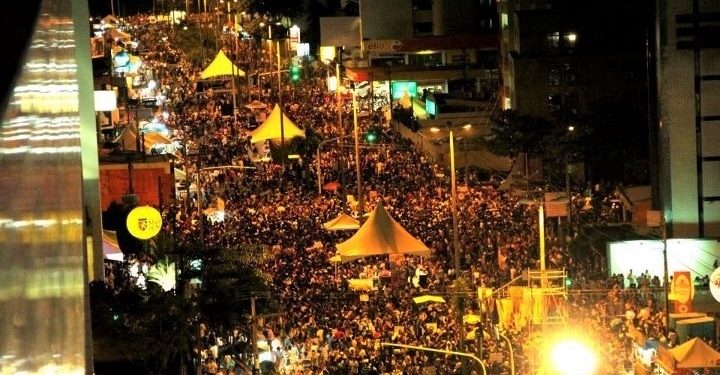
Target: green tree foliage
{"x": 275, "y": 9}
{"x": 556, "y": 142}
{"x": 231, "y": 274}
{"x": 197, "y": 42}
{"x": 513, "y": 133}
{"x": 128, "y": 326}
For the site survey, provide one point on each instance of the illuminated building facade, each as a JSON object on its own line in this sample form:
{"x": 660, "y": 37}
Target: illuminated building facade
{"x": 688, "y": 78}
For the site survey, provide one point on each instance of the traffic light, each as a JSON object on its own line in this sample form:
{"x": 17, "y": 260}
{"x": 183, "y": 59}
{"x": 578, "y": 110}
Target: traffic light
{"x": 294, "y": 72}
{"x": 371, "y": 137}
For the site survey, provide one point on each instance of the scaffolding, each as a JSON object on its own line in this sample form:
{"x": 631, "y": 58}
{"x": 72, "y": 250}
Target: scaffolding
{"x": 550, "y": 286}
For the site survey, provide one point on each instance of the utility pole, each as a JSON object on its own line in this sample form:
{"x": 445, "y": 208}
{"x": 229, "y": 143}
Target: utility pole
{"x": 253, "y": 340}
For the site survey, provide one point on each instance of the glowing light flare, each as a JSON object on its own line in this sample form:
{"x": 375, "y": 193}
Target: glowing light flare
{"x": 572, "y": 356}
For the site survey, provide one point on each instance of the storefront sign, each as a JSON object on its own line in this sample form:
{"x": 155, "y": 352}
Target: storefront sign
{"x": 682, "y": 290}
{"x": 383, "y": 46}
{"x": 144, "y": 222}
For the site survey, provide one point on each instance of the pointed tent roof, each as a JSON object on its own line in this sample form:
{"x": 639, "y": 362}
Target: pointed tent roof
{"x": 342, "y": 222}
{"x": 221, "y": 66}
{"x": 117, "y": 34}
{"x": 696, "y": 353}
{"x": 110, "y": 19}
{"x": 111, "y": 249}
{"x": 270, "y": 129}
{"x": 381, "y": 235}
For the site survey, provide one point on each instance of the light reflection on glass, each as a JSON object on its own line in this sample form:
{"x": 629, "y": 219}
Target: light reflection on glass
{"x": 42, "y": 279}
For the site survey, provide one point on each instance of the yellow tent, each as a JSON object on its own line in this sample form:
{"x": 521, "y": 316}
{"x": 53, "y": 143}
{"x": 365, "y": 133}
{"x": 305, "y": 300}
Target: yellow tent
{"x": 381, "y": 235}
{"x": 111, "y": 248}
{"x": 270, "y": 129}
{"x": 695, "y": 353}
{"x": 428, "y": 298}
{"x": 335, "y": 259}
{"x": 342, "y": 222}
{"x": 221, "y": 67}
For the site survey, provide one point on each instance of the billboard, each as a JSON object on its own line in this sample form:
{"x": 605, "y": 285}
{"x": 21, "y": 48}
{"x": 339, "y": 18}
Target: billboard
{"x": 399, "y": 88}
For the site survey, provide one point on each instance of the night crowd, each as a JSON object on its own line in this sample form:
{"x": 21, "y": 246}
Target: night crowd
{"x": 325, "y": 327}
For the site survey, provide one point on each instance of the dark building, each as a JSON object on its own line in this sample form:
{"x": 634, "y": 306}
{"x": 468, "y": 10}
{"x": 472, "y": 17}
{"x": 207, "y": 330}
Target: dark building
{"x": 559, "y": 57}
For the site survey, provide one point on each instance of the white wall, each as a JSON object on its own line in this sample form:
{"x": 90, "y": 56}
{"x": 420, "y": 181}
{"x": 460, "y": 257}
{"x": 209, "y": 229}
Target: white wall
{"x": 696, "y": 256}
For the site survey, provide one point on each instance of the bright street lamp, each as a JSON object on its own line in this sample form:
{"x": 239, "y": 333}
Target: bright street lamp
{"x": 573, "y": 357}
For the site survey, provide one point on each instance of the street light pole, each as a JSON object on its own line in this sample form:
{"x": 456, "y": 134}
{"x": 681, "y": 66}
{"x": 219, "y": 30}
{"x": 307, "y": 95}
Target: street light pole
{"x": 453, "y": 206}
{"x": 512, "y": 354}
{"x": 358, "y": 181}
{"x": 456, "y": 245}
{"x": 282, "y": 125}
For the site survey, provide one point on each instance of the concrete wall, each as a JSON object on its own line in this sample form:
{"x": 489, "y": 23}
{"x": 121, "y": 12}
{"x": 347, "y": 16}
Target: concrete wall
{"x": 679, "y": 181}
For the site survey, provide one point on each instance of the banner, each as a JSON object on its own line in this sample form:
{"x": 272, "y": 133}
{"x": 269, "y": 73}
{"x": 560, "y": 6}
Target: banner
{"x": 682, "y": 289}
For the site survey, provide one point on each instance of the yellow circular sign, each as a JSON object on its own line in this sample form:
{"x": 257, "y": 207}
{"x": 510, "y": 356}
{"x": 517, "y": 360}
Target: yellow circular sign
{"x": 715, "y": 284}
{"x": 144, "y": 222}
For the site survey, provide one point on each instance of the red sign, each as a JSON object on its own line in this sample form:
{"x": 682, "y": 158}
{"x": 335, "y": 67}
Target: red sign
{"x": 682, "y": 290}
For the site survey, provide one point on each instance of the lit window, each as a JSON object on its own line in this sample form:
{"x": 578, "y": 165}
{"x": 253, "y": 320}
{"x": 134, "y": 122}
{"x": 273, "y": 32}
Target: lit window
{"x": 504, "y": 20}
{"x": 553, "y": 39}
{"x": 570, "y": 38}
{"x": 554, "y": 77}
{"x": 507, "y": 103}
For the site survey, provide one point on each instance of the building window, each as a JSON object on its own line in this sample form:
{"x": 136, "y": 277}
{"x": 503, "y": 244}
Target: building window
{"x": 569, "y": 39}
{"x": 554, "y": 77}
{"x": 554, "y": 103}
{"x": 423, "y": 4}
{"x": 423, "y": 28}
{"x": 571, "y": 103}
{"x": 553, "y": 39}
{"x": 569, "y": 74}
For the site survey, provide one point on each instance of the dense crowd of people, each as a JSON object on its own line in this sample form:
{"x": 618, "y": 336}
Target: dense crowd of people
{"x": 324, "y": 326}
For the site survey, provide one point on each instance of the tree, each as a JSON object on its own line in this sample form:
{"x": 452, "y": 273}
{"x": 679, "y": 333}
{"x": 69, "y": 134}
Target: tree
{"x": 231, "y": 274}
{"x": 513, "y": 133}
{"x": 128, "y": 326}
{"x": 276, "y": 9}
